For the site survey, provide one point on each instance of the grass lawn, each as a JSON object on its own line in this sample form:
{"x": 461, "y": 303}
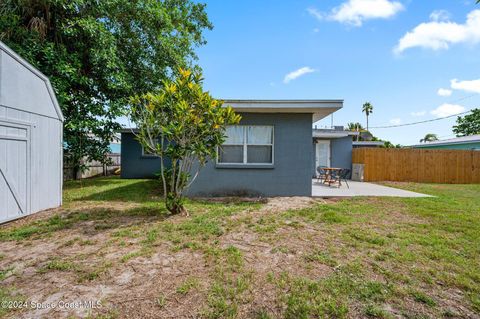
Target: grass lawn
{"x": 113, "y": 242}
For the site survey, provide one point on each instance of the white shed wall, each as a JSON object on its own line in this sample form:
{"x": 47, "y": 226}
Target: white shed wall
{"x": 32, "y": 154}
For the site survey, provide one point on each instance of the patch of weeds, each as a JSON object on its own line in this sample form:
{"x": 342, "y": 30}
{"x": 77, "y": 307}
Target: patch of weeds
{"x": 2, "y": 256}
{"x": 227, "y": 293}
{"x": 334, "y": 217}
{"x": 423, "y": 298}
{"x": 150, "y": 237}
{"x": 230, "y": 282}
{"x": 130, "y": 255}
{"x": 322, "y": 257}
{"x": 161, "y": 301}
{"x": 92, "y": 274}
{"x": 366, "y": 236}
{"x": 4, "y": 272}
{"x": 261, "y": 314}
{"x": 189, "y": 284}
{"x": 265, "y": 225}
{"x": 373, "y": 291}
{"x": 125, "y": 232}
{"x": 104, "y": 225}
{"x": 374, "y": 311}
{"x": 282, "y": 249}
{"x": 59, "y": 265}
{"x": 475, "y": 301}
{"x": 384, "y": 255}
{"x": 329, "y": 297}
{"x": 8, "y": 297}
{"x": 144, "y": 251}
{"x": 234, "y": 257}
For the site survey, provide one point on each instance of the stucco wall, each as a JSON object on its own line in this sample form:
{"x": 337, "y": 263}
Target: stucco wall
{"x": 340, "y": 153}
{"x": 290, "y": 174}
{"x": 134, "y": 164}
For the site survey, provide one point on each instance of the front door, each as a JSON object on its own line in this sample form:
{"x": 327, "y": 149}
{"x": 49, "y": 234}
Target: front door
{"x": 322, "y": 153}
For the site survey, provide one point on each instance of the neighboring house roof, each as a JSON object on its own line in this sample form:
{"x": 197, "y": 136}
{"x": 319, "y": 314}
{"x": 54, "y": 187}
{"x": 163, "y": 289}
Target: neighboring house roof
{"x": 20, "y": 83}
{"x": 319, "y": 108}
{"x": 368, "y": 143}
{"x": 331, "y": 133}
{"x": 457, "y": 140}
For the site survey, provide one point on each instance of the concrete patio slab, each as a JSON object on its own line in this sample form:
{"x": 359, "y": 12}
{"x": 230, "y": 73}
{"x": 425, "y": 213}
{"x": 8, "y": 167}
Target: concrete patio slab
{"x": 360, "y": 189}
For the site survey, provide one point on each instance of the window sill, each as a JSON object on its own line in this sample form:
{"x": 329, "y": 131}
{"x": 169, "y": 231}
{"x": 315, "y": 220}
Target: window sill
{"x": 254, "y": 166}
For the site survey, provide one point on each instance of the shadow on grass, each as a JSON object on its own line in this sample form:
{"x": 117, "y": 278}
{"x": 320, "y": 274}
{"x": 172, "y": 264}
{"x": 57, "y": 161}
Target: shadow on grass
{"x": 138, "y": 191}
{"x": 90, "y": 221}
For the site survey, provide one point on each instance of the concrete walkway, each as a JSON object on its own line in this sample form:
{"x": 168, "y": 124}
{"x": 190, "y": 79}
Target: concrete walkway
{"x": 360, "y": 189}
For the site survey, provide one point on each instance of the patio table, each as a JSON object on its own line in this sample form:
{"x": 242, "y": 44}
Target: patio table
{"x": 329, "y": 173}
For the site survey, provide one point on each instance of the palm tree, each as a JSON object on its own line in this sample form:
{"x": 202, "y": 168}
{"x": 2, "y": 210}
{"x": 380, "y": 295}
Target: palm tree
{"x": 367, "y": 109}
{"x": 430, "y": 137}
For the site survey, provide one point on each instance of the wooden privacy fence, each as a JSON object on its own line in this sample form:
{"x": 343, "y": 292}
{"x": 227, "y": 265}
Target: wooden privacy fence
{"x": 419, "y": 165}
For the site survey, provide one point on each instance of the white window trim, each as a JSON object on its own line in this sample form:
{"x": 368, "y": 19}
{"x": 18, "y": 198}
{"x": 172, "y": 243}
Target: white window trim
{"x": 146, "y": 154}
{"x": 245, "y": 144}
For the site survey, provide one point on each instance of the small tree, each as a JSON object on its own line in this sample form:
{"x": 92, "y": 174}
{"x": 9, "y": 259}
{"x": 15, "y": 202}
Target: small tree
{"x": 367, "y": 108}
{"x": 468, "y": 124}
{"x": 183, "y": 125}
{"x": 430, "y": 137}
{"x": 355, "y": 127}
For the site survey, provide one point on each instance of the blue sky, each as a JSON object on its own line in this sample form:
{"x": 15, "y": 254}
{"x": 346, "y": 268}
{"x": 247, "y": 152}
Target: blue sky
{"x": 395, "y": 54}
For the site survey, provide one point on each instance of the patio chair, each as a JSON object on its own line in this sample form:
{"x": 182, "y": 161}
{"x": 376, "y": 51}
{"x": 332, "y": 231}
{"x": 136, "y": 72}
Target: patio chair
{"x": 321, "y": 173}
{"x": 342, "y": 175}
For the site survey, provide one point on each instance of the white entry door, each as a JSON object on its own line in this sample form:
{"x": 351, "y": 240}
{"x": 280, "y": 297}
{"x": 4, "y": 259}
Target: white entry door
{"x": 322, "y": 153}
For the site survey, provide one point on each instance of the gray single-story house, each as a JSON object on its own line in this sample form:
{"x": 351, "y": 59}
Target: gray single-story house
{"x": 273, "y": 151}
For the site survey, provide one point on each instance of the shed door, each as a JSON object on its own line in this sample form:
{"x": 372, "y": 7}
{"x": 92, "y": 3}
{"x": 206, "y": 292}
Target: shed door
{"x": 14, "y": 171}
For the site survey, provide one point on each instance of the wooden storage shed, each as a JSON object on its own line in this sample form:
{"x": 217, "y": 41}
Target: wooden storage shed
{"x": 31, "y": 150}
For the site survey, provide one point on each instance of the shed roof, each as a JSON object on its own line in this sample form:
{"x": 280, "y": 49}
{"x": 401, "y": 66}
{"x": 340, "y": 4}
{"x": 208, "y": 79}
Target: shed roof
{"x": 457, "y": 140}
{"x": 24, "y": 87}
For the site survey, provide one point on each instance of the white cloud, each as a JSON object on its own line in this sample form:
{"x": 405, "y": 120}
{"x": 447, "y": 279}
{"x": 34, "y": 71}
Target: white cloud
{"x": 395, "y": 121}
{"x": 444, "y": 92}
{"x": 440, "y": 15}
{"x": 297, "y": 73}
{"x": 316, "y": 30}
{"x": 447, "y": 110}
{"x": 417, "y": 114}
{"x": 439, "y": 34}
{"x": 315, "y": 13}
{"x": 355, "y": 12}
{"x": 468, "y": 86}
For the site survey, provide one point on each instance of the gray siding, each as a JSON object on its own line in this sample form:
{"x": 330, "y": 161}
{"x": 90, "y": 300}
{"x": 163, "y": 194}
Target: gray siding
{"x": 290, "y": 174}
{"x": 134, "y": 163}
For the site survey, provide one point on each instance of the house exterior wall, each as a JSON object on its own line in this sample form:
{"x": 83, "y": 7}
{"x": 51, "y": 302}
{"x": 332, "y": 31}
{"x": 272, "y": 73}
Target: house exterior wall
{"x": 340, "y": 152}
{"x": 463, "y": 146}
{"x": 288, "y": 176}
{"x": 134, "y": 163}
